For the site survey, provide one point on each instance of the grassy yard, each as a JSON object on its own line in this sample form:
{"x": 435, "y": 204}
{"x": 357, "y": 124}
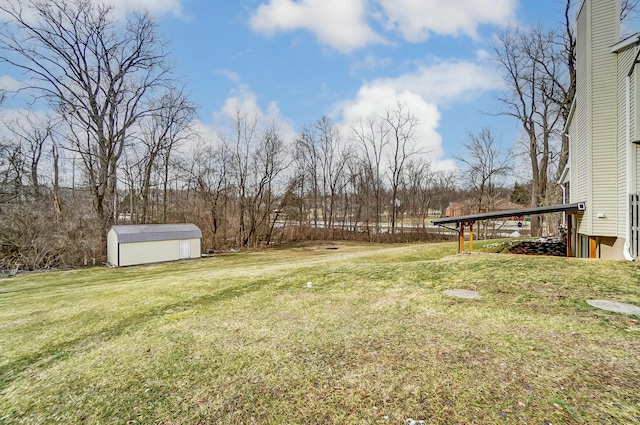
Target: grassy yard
{"x": 362, "y": 334}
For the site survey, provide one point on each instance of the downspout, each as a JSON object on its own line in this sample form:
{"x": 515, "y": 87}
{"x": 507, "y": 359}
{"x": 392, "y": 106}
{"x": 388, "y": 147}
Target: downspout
{"x": 626, "y": 251}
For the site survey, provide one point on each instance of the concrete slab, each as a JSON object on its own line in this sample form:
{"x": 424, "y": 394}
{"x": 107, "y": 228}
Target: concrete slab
{"x": 615, "y": 306}
{"x": 462, "y": 293}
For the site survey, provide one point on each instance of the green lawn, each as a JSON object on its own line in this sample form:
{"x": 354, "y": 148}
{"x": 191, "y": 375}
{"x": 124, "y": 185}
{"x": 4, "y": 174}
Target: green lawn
{"x": 245, "y": 338}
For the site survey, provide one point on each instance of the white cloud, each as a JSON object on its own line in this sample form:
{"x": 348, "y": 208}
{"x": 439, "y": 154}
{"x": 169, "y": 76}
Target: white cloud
{"x": 153, "y": 6}
{"x": 423, "y": 92}
{"x": 340, "y": 24}
{"x": 230, "y": 75}
{"x": 345, "y": 25}
{"x": 446, "y": 81}
{"x": 245, "y": 100}
{"x": 10, "y": 84}
{"x": 416, "y": 20}
{"x": 374, "y": 99}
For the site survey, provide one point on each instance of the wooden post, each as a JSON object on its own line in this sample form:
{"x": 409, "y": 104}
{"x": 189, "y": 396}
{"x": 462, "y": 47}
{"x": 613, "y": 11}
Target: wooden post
{"x": 569, "y": 229}
{"x": 460, "y": 237}
{"x": 593, "y": 247}
{"x": 471, "y": 237}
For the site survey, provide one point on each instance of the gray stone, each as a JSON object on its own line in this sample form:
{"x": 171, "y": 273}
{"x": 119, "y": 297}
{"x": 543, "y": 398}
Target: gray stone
{"x": 615, "y": 306}
{"x": 462, "y": 293}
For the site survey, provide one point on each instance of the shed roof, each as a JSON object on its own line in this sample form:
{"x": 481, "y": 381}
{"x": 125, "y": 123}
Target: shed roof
{"x": 155, "y": 232}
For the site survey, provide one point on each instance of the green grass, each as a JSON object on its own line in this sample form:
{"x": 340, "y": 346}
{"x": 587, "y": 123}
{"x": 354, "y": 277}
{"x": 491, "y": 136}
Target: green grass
{"x": 243, "y": 339}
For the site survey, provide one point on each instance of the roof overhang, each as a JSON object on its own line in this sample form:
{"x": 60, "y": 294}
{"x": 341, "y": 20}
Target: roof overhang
{"x": 578, "y": 206}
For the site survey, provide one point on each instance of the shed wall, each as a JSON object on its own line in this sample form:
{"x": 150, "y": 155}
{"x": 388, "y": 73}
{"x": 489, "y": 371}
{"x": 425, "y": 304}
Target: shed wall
{"x": 149, "y": 252}
{"x": 196, "y": 248}
{"x": 112, "y": 248}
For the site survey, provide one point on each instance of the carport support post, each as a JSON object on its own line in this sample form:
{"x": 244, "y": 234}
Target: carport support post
{"x": 569, "y": 230}
{"x": 460, "y": 237}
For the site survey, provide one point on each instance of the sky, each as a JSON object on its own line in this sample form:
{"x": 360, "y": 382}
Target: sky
{"x": 298, "y": 60}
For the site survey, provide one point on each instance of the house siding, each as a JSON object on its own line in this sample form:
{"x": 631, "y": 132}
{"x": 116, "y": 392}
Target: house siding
{"x": 625, "y": 61}
{"x": 580, "y": 164}
{"x": 604, "y": 159}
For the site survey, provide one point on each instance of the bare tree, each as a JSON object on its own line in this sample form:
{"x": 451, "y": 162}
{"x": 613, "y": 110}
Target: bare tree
{"x": 534, "y": 72}
{"x": 417, "y": 189}
{"x": 324, "y": 155}
{"x": 444, "y": 189}
{"x": 628, "y": 9}
{"x": 31, "y": 134}
{"x": 257, "y": 156}
{"x": 402, "y": 133}
{"x": 372, "y": 138}
{"x": 485, "y": 164}
{"x": 166, "y": 127}
{"x": 211, "y": 174}
{"x": 98, "y": 73}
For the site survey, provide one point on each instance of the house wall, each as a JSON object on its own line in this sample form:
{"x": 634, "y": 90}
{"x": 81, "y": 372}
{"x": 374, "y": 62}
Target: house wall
{"x": 611, "y": 248}
{"x": 595, "y": 127}
{"x": 604, "y": 22}
{"x": 579, "y": 127}
{"x": 626, "y": 131}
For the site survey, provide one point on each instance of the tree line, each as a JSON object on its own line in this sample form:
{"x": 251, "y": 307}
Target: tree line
{"x": 111, "y": 138}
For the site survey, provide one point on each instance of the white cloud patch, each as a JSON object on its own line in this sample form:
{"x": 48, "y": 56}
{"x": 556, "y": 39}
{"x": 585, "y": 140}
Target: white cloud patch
{"x": 245, "y": 100}
{"x": 372, "y": 100}
{"x": 341, "y": 24}
{"x": 417, "y": 20}
{"x": 447, "y": 81}
{"x": 423, "y": 92}
{"x": 159, "y": 7}
{"x": 345, "y": 25}
{"x": 230, "y": 75}
{"x": 10, "y": 84}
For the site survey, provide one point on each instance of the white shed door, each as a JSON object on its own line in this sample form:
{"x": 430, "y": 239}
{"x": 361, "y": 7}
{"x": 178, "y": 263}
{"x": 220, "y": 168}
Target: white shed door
{"x": 185, "y": 248}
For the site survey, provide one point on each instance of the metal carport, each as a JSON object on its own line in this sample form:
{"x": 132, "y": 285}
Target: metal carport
{"x": 468, "y": 220}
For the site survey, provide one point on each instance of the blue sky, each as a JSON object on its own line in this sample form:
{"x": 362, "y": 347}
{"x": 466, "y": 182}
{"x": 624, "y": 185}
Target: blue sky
{"x": 297, "y": 60}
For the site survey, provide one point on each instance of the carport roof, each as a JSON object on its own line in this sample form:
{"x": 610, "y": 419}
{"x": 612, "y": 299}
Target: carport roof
{"x": 578, "y": 206}
{"x": 155, "y": 232}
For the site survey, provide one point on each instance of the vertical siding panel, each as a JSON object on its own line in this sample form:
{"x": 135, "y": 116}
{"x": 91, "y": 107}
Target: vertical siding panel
{"x": 581, "y": 170}
{"x": 625, "y": 60}
{"x": 603, "y": 64}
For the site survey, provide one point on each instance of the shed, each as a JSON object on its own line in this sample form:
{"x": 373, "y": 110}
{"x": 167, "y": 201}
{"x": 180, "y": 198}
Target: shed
{"x": 128, "y": 245}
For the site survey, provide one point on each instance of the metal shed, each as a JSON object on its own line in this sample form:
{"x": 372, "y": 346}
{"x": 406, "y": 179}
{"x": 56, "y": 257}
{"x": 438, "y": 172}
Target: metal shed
{"x": 128, "y": 245}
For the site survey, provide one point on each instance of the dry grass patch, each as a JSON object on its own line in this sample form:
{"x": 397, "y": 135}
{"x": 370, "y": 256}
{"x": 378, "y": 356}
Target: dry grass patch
{"x": 244, "y": 339}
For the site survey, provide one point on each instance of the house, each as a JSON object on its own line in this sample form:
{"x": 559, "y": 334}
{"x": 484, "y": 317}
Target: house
{"x": 604, "y": 132}
{"x": 128, "y": 245}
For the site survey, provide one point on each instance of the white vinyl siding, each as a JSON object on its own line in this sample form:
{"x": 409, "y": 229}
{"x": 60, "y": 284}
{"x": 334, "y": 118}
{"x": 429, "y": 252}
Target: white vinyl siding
{"x": 625, "y": 61}
{"x": 580, "y": 165}
{"x": 604, "y": 179}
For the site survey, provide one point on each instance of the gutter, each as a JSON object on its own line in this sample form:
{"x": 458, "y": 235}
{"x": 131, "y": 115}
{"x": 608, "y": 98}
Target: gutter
{"x": 626, "y": 251}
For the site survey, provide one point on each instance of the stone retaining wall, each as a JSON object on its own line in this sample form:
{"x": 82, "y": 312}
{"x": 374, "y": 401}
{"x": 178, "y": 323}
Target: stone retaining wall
{"x": 557, "y": 249}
